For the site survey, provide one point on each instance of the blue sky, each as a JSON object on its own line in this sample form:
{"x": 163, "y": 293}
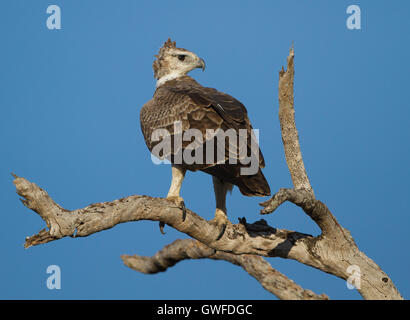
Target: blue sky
{"x": 69, "y": 121}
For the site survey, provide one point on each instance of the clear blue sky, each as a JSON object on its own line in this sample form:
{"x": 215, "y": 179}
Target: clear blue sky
{"x": 69, "y": 121}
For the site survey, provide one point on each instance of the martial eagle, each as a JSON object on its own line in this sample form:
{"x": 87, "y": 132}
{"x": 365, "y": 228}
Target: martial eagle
{"x": 180, "y": 99}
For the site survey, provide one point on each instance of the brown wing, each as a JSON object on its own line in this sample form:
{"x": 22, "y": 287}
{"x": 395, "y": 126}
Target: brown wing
{"x": 171, "y": 110}
{"x": 232, "y": 111}
{"x": 194, "y": 107}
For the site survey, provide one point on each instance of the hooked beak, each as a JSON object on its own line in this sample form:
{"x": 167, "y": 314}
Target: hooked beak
{"x": 201, "y": 64}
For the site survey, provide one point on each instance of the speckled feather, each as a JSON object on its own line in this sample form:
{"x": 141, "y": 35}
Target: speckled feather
{"x": 183, "y": 99}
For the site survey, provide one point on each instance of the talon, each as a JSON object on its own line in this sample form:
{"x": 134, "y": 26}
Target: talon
{"x": 222, "y": 225}
{"x": 180, "y": 203}
{"x": 223, "y": 228}
{"x": 183, "y": 208}
{"x": 220, "y": 220}
{"x": 161, "y": 227}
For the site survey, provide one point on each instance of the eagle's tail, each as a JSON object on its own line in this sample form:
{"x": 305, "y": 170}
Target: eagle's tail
{"x": 254, "y": 185}
{"x": 249, "y": 185}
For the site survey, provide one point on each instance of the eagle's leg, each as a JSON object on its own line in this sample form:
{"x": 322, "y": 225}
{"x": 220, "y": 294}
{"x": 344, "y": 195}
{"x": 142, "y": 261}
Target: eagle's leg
{"x": 221, "y": 188}
{"x": 178, "y": 174}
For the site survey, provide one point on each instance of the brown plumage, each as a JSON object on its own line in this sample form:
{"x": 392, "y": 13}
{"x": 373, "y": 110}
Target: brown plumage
{"x": 180, "y": 99}
{"x": 185, "y": 100}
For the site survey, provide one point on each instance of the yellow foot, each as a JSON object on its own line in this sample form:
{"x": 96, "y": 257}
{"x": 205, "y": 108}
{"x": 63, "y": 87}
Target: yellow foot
{"x": 220, "y": 220}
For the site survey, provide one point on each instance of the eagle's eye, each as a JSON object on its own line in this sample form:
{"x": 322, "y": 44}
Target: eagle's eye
{"x": 181, "y": 57}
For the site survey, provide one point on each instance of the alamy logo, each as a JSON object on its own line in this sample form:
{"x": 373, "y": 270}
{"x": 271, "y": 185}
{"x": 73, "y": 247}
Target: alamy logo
{"x": 353, "y": 282}
{"x": 54, "y": 20}
{"x": 54, "y": 280}
{"x": 215, "y": 147}
{"x": 354, "y": 20}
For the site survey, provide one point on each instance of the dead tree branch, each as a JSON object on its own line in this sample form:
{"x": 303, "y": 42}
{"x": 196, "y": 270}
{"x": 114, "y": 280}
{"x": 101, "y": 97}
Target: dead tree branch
{"x": 271, "y": 279}
{"x": 290, "y": 135}
{"x": 241, "y": 244}
{"x": 242, "y": 238}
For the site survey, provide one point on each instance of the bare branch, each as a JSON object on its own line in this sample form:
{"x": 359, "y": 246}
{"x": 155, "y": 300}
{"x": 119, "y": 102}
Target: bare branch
{"x": 315, "y": 209}
{"x": 257, "y": 238}
{"x": 271, "y": 279}
{"x": 290, "y": 136}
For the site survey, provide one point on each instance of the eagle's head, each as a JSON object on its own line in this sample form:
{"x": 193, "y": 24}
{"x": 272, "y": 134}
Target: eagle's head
{"x": 173, "y": 62}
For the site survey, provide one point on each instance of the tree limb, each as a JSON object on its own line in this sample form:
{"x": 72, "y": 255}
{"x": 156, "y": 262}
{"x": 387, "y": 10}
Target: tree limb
{"x": 255, "y": 238}
{"x": 290, "y": 135}
{"x": 242, "y": 238}
{"x": 271, "y": 279}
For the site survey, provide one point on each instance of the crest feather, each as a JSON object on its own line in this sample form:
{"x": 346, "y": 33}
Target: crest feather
{"x": 169, "y": 44}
